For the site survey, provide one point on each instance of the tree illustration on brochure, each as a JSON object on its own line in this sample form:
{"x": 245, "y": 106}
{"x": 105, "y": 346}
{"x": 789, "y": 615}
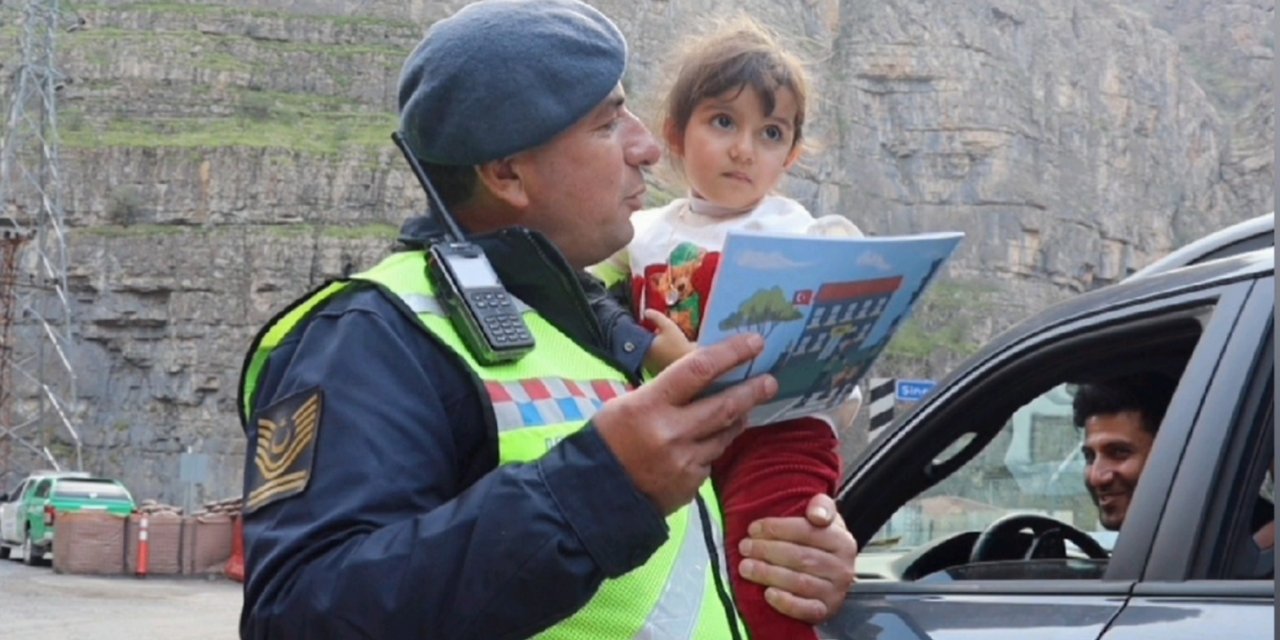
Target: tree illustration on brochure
{"x": 763, "y": 312}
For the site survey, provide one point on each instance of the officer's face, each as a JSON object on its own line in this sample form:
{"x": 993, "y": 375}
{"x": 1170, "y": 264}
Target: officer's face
{"x": 584, "y": 185}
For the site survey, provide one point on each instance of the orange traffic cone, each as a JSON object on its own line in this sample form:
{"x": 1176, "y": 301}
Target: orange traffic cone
{"x": 144, "y": 548}
{"x": 235, "y": 564}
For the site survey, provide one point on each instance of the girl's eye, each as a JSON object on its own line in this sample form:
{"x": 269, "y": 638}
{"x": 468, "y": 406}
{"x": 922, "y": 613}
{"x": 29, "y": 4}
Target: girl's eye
{"x": 722, "y": 121}
{"x": 773, "y": 134}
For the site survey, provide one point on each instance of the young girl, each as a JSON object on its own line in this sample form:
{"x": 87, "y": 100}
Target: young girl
{"x": 733, "y": 126}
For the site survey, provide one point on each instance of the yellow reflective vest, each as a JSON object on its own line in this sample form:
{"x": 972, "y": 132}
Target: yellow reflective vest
{"x": 548, "y": 394}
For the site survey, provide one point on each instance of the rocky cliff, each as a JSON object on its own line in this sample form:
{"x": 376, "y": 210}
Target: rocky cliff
{"x": 223, "y": 158}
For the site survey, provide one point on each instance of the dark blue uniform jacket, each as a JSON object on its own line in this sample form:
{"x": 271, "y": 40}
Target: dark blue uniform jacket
{"x": 407, "y": 528}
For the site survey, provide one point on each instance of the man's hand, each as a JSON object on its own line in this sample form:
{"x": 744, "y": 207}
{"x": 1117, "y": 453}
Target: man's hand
{"x": 666, "y": 437}
{"x": 807, "y": 564}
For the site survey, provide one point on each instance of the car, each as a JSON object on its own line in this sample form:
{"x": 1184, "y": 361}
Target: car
{"x": 29, "y": 513}
{"x": 11, "y": 507}
{"x": 961, "y": 504}
{"x": 1242, "y": 237}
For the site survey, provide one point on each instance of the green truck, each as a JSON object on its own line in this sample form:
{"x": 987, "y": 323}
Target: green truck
{"x": 28, "y": 514}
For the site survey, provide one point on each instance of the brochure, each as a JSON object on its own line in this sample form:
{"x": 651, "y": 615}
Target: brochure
{"x": 825, "y": 306}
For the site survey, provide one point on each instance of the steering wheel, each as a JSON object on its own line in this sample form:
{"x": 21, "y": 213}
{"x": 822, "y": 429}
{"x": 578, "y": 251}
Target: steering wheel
{"x": 1047, "y": 532}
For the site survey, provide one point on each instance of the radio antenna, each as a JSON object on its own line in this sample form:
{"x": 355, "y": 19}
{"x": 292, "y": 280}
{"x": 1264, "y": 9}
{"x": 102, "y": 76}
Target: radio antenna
{"x": 433, "y": 198}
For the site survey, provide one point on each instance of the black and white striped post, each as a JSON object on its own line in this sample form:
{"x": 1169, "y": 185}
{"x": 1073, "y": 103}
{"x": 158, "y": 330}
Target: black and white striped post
{"x": 880, "y": 407}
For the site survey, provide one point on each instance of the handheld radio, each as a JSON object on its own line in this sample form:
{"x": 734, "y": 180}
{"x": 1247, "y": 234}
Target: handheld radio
{"x": 480, "y": 308}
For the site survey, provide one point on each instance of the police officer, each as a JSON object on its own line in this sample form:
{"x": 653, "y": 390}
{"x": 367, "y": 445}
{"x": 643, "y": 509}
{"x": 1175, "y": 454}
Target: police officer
{"x": 397, "y": 486}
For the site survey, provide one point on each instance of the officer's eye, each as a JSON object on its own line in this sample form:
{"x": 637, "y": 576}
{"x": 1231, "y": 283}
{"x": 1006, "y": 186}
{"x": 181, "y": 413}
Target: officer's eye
{"x": 612, "y": 124}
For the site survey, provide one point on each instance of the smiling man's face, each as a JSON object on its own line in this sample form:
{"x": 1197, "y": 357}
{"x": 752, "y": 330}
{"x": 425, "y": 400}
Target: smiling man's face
{"x": 1115, "y": 451}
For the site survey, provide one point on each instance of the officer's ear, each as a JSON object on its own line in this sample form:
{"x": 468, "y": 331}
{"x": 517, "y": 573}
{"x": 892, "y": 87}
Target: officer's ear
{"x": 504, "y": 180}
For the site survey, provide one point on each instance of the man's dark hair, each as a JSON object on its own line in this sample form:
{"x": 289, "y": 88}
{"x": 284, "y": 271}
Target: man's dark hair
{"x": 1146, "y": 393}
{"x": 454, "y": 183}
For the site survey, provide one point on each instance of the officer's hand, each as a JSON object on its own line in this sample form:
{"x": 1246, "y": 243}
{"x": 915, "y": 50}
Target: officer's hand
{"x": 666, "y": 437}
{"x": 806, "y": 563}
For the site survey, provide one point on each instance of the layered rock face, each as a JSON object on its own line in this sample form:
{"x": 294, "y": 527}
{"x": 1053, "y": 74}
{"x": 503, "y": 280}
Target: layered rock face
{"x": 222, "y": 159}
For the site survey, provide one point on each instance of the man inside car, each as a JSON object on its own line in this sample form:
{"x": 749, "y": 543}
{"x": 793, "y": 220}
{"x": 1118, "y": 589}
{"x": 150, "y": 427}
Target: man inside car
{"x": 1120, "y": 418}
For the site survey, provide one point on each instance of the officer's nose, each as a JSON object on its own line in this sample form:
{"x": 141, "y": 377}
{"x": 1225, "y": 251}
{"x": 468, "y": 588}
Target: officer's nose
{"x": 640, "y": 147}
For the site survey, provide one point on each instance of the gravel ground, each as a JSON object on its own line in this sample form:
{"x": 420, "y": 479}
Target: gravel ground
{"x": 35, "y": 602}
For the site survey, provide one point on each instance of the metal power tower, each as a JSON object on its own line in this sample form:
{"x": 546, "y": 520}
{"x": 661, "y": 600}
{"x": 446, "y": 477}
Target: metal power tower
{"x": 37, "y": 374}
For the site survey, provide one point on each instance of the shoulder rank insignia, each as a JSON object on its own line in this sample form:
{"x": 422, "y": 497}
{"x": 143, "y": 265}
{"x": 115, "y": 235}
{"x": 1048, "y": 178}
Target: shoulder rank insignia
{"x": 284, "y": 449}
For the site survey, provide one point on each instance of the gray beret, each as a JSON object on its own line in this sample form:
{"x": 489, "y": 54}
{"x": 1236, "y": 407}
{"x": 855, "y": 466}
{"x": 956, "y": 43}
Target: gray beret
{"x": 503, "y": 76}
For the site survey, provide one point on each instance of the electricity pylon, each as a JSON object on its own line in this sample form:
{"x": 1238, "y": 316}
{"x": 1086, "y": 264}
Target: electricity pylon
{"x": 37, "y": 372}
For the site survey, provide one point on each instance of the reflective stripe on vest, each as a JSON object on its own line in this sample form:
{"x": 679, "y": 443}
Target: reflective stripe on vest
{"x": 533, "y": 402}
{"x": 681, "y": 599}
{"x": 536, "y": 402}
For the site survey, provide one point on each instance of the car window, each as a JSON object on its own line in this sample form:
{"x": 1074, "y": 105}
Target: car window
{"x": 1000, "y": 468}
{"x": 90, "y": 490}
{"x": 1253, "y": 557}
{"x": 1034, "y": 465}
{"x": 1244, "y": 245}
{"x": 17, "y": 491}
{"x": 1250, "y": 547}
{"x": 42, "y": 489}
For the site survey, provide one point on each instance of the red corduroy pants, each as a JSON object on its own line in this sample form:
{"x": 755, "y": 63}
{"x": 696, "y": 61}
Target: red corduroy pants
{"x": 772, "y": 471}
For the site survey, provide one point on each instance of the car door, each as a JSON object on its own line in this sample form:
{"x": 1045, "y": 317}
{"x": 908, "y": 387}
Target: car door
{"x": 1207, "y": 576}
{"x": 33, "y": 510}
{"x": 10, "y": 513}
{"x": 930, "y": 445}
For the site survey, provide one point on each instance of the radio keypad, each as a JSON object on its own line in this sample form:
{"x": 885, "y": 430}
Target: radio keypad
{"x": 502, "y": 321}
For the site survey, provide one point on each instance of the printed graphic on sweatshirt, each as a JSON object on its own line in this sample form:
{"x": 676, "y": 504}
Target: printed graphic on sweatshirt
{"x": 679, "y": 287}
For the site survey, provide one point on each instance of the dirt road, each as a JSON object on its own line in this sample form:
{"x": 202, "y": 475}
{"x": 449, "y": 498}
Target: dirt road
{"x": 37, "y": 603}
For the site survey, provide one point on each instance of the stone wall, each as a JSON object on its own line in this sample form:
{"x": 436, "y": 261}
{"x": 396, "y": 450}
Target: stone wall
{"x": 221, "y": 159}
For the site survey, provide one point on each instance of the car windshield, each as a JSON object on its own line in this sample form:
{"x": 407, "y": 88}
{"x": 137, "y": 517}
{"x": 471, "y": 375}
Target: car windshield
{"x": 91, "y": 490}
{"x": 1034, "y": 465}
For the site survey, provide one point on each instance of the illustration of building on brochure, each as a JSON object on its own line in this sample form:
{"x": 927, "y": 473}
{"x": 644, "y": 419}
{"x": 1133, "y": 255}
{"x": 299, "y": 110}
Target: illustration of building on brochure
{"x": 826, "y": 307}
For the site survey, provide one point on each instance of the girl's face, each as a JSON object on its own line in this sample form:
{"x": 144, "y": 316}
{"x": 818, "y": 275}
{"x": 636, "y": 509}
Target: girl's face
{"x": 733, "y": 154}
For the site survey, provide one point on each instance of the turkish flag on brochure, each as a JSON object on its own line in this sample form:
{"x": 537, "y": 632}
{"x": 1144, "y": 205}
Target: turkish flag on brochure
{"x": 803, "y": 296}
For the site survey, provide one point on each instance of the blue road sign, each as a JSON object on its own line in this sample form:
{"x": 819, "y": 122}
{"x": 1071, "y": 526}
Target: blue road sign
{"x": 913, "y": 390}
